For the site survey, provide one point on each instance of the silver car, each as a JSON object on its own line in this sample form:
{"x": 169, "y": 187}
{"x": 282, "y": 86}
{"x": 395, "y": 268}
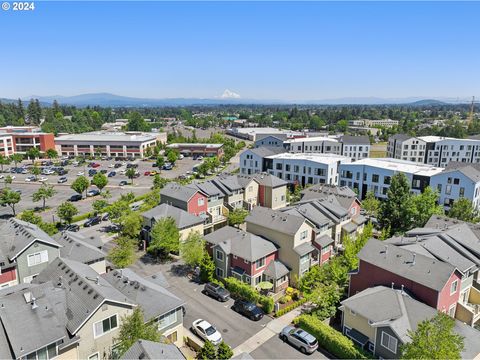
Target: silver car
{"x": 299, "y": 338}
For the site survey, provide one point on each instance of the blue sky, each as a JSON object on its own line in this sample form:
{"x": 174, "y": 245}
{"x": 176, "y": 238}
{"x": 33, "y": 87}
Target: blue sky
{"x": 261, "y": 50}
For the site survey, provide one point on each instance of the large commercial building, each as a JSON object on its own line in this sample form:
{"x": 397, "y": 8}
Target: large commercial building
{"x": 433, "y": 150}
{"x": 189, "y": 149}
{"x": 20, "y": 139}
{"x": 115, "y": 144}
{"x": 256, "y": 133}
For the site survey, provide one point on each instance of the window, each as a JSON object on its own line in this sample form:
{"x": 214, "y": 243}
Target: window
{"x": 28, "y": 279}
{"x": 462, "y": 192}
{"x": 448, "y": 189}
{"x": 219, "y": 255}
{"x": 371, "y": 347}
{"x": 102, "y": 327}
{"x": 451, "y": 310}
{"x": 303, "y": 235}
{"x": 37, "y": 258}
{"x": 439, "y": 188}
{"x": 47, "y": 352}
{"x": 167, "y": 319}
{"x": 386, "y": 180}
{"x": 456, "y": 181}
{"x": 201, "y": 201}
{"x": 453, "y": 287}
{"x": 260, "y": 263}
{"x": 389, "y": 342}
{"x": 375, "y": 178}
{"x": 94, "y": 356}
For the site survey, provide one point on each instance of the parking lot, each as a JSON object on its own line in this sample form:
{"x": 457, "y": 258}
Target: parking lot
{"x": 141, "y": 185}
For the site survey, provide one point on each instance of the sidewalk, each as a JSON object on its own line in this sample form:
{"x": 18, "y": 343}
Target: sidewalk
{"x": 272, "y": 329}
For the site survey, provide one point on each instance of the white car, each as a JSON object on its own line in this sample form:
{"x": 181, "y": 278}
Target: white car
{"x": 75, "y": 163}
{"x": 30, "y": 178}
{"x": 111, "y": 166}
{"x": 48, "y": 172}
{"x": 180, "y": 157}
{"x": 43, "y": 179}
{"x": 1, "y": 176}
{"x": 80, "y": 173}
{"x": 12, "y": 177}
{"x": 206, "y": 331}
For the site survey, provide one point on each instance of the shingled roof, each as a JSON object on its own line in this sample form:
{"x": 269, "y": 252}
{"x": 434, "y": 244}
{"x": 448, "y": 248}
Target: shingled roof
{"x": 275, "y": 220}
{"x": 182, "y": 218}
{"x": 145, "y": 349}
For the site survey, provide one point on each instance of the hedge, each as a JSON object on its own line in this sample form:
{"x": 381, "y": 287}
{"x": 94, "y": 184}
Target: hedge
{"x": 239, "y": 289}
{"x": 82, "y": 217}
{"x": 330, "y": 339}
{"x": 290, "y": 307}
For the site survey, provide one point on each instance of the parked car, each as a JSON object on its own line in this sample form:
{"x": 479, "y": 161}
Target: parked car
{"x": 62, "y": 180}
{"x": 80, "y": 173}
{"x": 103, "y": 171}
{"x": 61, "y": 172}
{"x": 76, "y": 197}
{"x": 299, "y": 338}
{"x": 117, "y": 165}
{"x": 105, "y": 217}
{"x": 112, "y": 174}
{"x": 153, "y": 173}
{"x": 95, "y": 165}
{"x": 93, "y": 192}
{"x": 147, "y": 173}
{"x": 216, "y": 291}
{"x": 167, "y": 167}
{"x": 92, "y": 172}
{"x": 180, "y": 157}
{"x": 123, "y": 183}
{"x": 200, "y": 158}
{"x": 72, "y": 227}
{"x": 1, "y": 176}
{"x": 93, "y": 221}
{"x": 48, "y": 172}
{"x": 111, "y": 166}
{"x": 248, "y": 309}
{"x": 13, "y": 177}
{"x": 206, "y": 331}
{"x": 43, "y": 179}
{"x": 30, "y": 178}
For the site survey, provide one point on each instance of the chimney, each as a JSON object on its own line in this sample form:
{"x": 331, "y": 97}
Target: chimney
{"x": 393, "y": 285}
{"x": 402, "y": 290}
{"x": 97, "y": 280}
{"x": 34, "y": 303}
{"x": 413, "y": 261}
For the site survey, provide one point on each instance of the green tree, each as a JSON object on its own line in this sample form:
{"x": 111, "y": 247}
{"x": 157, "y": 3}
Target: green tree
{"x": 207, "y": 352}
{"x": 134, "y": 328}
{"x": 371, "y": 204}
{"x": 100, "y": 181}
{"x": 462, "y": 209}
{"x": 207, "y": 268}
{"x": 326, "y": 298}
{"x": 33, "y": 153}
{"x": 117, "y": 209}
{"x": 106, "y": 194}
{"x": 172, "y": 157}
{"x": 123, "y": 254}
{"x": 131, "y": 174}
{"x": 160, "y": 162}
{"x": 165, "y": 237}
{"x": 31, "y": 217}
{"x": 43, "y": 193}
{"x": 16, "y": 158}
{"x": 35, "y": 170}
{"x": 66, "y": 211}
{"x": 9, "y": 198}
{"x": 434, "y": 339}
{"x": 80, "y": 185}
{"x": 426, "y": 205}
{"x": 7, "y": 180}
{"x": 136, "y": 122}
{"x": 224, "y": 352}
{"x": 193, "y": 248}
{"x": 99, "y": 205}
{"x": 131, "y": 223}
{"x": 159, "y": 182}
{"x": 51, "y": 154}
{"x": 398, "y": 209}
{"x": 237, "y": 217}
{"x": 4, "y": 161}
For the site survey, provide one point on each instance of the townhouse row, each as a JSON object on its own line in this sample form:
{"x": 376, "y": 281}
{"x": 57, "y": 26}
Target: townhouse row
{"x": 404, "y": 280}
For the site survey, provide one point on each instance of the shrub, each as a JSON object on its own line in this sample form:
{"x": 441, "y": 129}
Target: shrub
{"x": 267, "y": 303}
{"x": 330, "y": 339}
{"x": 239, "y": 289}
{"x": 285, "y": 299}
{"x": 81, "y": 217}
{"x": 290, "y": 307}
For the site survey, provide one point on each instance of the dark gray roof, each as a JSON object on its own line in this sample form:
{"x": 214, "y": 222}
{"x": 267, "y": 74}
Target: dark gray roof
{"x": 241, "y": 243}
{"x": 264, "y": 151}
{"x": 85, "y": 290}
{"x": 74, "y": 248}
{"x": 310, "y": 212}
{"x": 280, "y": 137}
{"x": 177, "y": 191}
{"x": 328, "y": 206}
{"x": 324, "y": 240}
{"x": 95, "y": 241}
{"x": 276, "y": 269}
{"x": 304, "y": 249}
{"x": 182, "y": 218}
{"x": 359, "y": 219}
{"x": 227, "y": 183}
{"x": 453, "y": 165}
{"x": 207, "y": 188}
{"x": 17, "y": 235}
{"x": 145, "y": 349}
{"x": 349, "y": 227}
{"x": 431, "y": 273}
{"x": 269, "y": 180}
{"x": 152, "y": 298}
{"x": 29, "y": 329}
{"x": 393, "y": 308}
{"x": 275, "y": 220}
{"x": 344, "y": 195}
{"x": 355, "y": 140}
{"x": 244, "y": 180}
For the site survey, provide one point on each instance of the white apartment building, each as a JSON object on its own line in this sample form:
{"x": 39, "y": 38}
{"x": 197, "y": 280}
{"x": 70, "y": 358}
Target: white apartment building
{"x": 252, "y": 160}
{"x": 433, "y": 150}
{"x": 355, "y": 147}
{"x": 306, "y": 168}
{"x": 115, "y": 144}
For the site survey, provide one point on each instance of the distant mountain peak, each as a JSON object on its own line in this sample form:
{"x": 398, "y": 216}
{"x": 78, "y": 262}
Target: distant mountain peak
{"x": 228, "y": 94}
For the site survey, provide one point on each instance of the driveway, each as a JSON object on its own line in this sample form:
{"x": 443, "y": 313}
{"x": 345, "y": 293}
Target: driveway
{"x": 277, "y": 349}
{"x": 235, "y": 328}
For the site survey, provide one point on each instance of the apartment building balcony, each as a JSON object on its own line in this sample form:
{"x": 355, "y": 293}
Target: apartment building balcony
{"x": 469, "y": 311}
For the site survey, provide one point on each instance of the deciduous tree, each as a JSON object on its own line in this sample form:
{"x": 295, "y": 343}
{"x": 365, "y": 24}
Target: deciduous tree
{"x": 123, "y": 254}
{"x": 237, "y": 217}
{"x": 131, "y": 174}
{"x": 9, "y": 198}
{"x": 426, "y": 205}
{"x": 100, "y": 181}
{"x": 192, "y": 249}
{"x": 66, "y": 211}
{"x": 80, "y": 184}
{"x": 43, "y": 193}
{"x": 462, "y": 209}
{"x": 165, "y": 237}
{"x": 371, "y": 204}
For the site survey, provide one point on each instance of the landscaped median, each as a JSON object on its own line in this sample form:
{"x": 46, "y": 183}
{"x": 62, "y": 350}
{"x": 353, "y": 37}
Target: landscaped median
{"x": 290, "y": 307}
{"x": 242, "y": 290}
{"x": 330, "y": 339}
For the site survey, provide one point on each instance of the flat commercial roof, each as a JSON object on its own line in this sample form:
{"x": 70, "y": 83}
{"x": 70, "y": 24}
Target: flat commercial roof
{"x": 311, "y": 139}
{"x": 400, "y": 165}
{"x": 108, "y": 136}
{"x": 316, "y": 157}
{"x": 208, "y": 146}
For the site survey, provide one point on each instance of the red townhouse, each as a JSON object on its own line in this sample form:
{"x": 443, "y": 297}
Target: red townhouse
{"x": 429, "y": 280}
{"x": 186, "y": 198}
{"x": 247, "y": 257}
